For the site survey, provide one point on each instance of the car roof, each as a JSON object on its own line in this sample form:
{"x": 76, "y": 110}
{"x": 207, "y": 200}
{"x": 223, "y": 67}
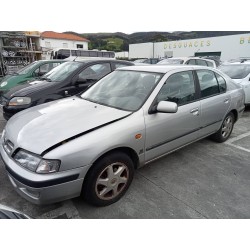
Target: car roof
{"x": 52, "y": 60}
{"x": 236, "y": 63}
{"x": 161, "y": 68}
{"x": 101, "y": 60}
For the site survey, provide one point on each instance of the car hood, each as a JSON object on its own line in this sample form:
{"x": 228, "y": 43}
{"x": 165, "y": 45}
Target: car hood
{"x": 41, "y": 127}
{"x": 28, "y": 88}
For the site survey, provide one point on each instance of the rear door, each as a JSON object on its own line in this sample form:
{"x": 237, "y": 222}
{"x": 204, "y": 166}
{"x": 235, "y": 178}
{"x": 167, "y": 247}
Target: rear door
{"x": 215, "y": 101}
{"x": 168, "y": 131}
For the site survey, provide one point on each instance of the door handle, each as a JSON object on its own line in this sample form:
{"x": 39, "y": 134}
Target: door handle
{"x": 226, "y": 100}
{"x": 195, "y": 111}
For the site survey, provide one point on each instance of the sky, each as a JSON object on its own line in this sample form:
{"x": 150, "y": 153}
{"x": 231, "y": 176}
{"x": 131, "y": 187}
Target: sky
{"x": 126, "y": 16}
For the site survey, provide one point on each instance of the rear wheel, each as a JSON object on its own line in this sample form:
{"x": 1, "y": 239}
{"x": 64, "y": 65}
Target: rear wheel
{"x": 225, "y": 130}
{"x": 109, "y": 179}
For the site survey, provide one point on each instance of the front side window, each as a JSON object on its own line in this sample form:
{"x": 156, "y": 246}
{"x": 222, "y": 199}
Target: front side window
{"x": 95, "y": 72}
{"x": 44, "y": 68}
{"x": 54, "y": 65}
{"x": 123, "y": 89}
{"x": 178, "y": 88}
{"x": 208, "y": 83}
{"x": 61, "y": 72}
{"x": 119, "y": 65}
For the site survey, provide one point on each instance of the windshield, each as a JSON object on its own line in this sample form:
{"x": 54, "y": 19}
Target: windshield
{"x": 235, "y": 71}
{"x": 62, "y": 71}
{"x": 126, "y": 90}
{"x": 26, "y": 69}
{"x": 171, "y": 61}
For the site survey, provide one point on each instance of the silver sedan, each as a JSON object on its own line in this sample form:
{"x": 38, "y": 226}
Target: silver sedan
{"x": 91, "y": 144}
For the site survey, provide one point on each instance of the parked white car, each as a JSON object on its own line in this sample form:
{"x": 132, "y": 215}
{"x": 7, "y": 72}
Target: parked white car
{"x": 189, "y": 61}
{"x": 240, "y": 73}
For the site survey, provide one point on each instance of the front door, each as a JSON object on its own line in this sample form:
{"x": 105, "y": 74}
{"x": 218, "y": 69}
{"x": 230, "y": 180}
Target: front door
{"x": 168, "y": 131}
{"x": 87, "y": 77}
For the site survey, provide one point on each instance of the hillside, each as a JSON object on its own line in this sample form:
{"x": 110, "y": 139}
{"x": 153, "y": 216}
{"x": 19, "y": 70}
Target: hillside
{"x": 120, "y": 41}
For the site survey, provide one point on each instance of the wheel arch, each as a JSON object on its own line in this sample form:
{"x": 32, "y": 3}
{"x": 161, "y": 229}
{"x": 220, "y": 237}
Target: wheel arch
{"x": 127, "y": 150}
{"x": 235, "y": 113}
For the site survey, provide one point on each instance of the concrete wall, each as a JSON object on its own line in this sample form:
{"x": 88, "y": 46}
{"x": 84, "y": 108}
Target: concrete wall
{"x": 230, "y": 47}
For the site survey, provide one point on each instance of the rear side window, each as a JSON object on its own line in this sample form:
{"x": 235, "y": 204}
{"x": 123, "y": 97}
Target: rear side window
{"x": 201, "y": 62}
{"x": 208, "y": 83}
{"x": 191, "y": 62}
{"x": 221, "y": 82}
{"x": 210, "y": 64}
{"x": 178, "y": 88}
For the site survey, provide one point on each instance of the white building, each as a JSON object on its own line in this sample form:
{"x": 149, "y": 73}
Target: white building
{"x": 51, "y": 40}
{"x": 122, "y": 54}
{"x": 226, "y": 47}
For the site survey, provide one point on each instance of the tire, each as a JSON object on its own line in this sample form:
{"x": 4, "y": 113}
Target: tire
{"x": 225, "y": 130}
{"x": 109, "y": 179}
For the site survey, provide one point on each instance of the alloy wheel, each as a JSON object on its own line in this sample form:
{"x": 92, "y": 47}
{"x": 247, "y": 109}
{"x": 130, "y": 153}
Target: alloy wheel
{"x": 227, "y": 127}
{"x": 112, "y": 180}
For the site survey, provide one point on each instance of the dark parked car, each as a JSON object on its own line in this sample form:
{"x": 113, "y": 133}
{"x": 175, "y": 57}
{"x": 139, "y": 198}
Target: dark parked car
{"x": 68, "y": 79}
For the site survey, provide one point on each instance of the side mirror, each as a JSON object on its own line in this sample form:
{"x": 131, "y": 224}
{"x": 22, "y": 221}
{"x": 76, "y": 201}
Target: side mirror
{"x": 167, "y": 107}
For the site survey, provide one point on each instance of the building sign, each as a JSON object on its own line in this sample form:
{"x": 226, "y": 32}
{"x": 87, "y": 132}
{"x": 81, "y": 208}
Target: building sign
{"x": 187, "y": 44}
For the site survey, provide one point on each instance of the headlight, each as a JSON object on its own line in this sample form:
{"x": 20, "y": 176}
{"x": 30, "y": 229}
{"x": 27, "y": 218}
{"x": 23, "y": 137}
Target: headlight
{"x": 48, "y": 166}
{"x": 27, "y": 160}
{"x": 35, "y": 163}
{"x": 4, "y": 83}
{"x": 16, "y": 101}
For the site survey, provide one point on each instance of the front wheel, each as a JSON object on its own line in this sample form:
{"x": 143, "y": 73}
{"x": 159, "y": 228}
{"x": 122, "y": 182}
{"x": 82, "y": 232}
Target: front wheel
{"x": 108, "y": 179}
{"x": 225, "y": 130}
